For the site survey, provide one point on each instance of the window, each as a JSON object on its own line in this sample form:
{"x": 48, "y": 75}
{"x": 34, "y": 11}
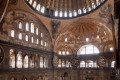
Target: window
{"x": 20, "y": 35}
{"x": 38, "y": 7}
{"x": 19, "y": 60}
{"x": 59, "y": 53}
{"x": 43, "y": 9}
{"x": 88, "y": 49}
{"x": 45, "y": 62}
{"x": 67, "y": 64}
{"x": 61, "y": 14}
{"x": 32, "y": 40}
{"x": 79, "y": 11}
{"x": 27, "y": 26}
{"x": 36, "y": 31}
{"x": 70, "y": 13}
{"x": 75, "y": 13}
{"x": 56, "y": 13}
{"x": 41, "y": 35}
{"x": 34, "y": 4}
{"x": 26, "y": 38}
{"x": 82, "y": 64}
{"x": 41, "y": 42}
{"x": 32, "y": 28}
{"x": 63, "y": 52}
{"x": 89, "y": 8}
{"x": 84, "y": 10}
{"x": 113, "y": 64}
{"x": 63, "y": 63}
{"x": 26, "y": 62}
{"x": 59, "y": 63}
{"x": 89, "y": 64}
{"x": 12, "y": 59}
{"x": 87, "y": 39}
{"x": 41, "y": 62}
{"x": 12, "y": 33}
{"x": 20, "y": 25}
{"x": 93, "y": 5}
{"x": 36, "y": 61}
{"x": 111, "y": 49}
{"x": 66, "y": 39}
{"x": 37, "y": 41}
{"x": 65, "y": 14}
{"x": 30, "y": 1}
{"x": 67, "y": 52}
{"x": 45, "y": 44}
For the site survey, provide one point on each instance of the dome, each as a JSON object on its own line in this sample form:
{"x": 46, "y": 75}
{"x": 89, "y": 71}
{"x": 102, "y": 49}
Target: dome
{"x": 64, "y": 9}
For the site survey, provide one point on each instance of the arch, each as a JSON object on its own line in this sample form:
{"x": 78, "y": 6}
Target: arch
{"x": 26, "y": 61}
{"x": 88, "y": 49}
{"x": 12, "y": 59}
{"x": 38, "y": 7}
{"x": 82, "y": 63}
{"x": 19, "y": 60}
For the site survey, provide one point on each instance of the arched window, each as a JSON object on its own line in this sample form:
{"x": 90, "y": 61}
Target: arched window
{"x": 113, "y": 64}
{"x": 30, "y": 1}
{"x": 32, "y": 39}
{"x": 65, "y": 14}
{"x": 42, "y": 42}
{"x": 56, "y": 13}
{"x": 12, "y": 59}
{"x": 45, "y": 62}
{"x": 67, "y": 52}
{"x": 36, "y": 31}
{"x": 37, "y": 41}
{"x": 45, "y": 44}
{"x": 63, "y": 52}
{"x": 38, "y": 7}
{"x": 59, "y": 63}
{"x": 20, "y": 25}
{"x": 26, "y": 62}
{"x": 41, "y": 35}
{"x": 89, "y": 63}
{"x": 26, "y": 38}
{"x": 19, "y": 60}
{"x": 42, "y": 9}
{"x": 12, "y": 33}
{"x": 61, "y": 14}
{"x": 63, "y": 63}
{"x": 32, "y": 28}
{"x": 88, "y": 49}
{"x": 67, "y": 64}
{"x": 70, "y": 13}
{"x": 41, "y": 62}
{"x": 93, "y": 5}
{"x": 20, "y": 35}
{"x": 84, "y": 10}
{"x": 79, "y": 11}
{"x": 82, "y": 63}
{"x": 27, "y": 26}
{"x": 75, "y": 13}
{"x": 59, "y": 52}
{"x": 34, "y": 4}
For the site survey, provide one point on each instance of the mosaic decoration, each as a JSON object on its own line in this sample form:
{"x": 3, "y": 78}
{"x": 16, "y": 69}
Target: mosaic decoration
{"x": 2, "y": 54}
{"x": 101, "y": 62}
{"x": 75, "y": 62}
